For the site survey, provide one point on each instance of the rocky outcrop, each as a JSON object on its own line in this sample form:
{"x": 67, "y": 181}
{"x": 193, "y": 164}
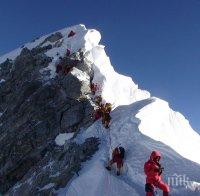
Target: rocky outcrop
{"x": 53, "y": 38}
{"x": 55, "y": 170}
{"x": 35, "y": 110}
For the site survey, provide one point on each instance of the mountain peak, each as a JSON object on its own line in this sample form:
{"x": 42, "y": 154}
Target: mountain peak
{"x": 47, "y": 128}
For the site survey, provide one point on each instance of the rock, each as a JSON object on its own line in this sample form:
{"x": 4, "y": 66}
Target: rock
{"x": 39, "y": 50}
{"x": 5, "y": 69}
{"x": 53, "y": 38}
{"x": 34, "y": 111}
{"x": 72, "y": 117}
{"x": 55, "y": 169}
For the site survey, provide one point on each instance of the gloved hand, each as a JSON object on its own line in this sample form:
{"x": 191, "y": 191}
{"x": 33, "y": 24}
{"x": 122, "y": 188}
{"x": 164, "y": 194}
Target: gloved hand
{"x": 161, "y": 169}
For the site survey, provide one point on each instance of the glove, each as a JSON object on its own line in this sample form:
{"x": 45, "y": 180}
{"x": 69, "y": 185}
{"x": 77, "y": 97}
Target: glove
{"x": 161, "y": 169}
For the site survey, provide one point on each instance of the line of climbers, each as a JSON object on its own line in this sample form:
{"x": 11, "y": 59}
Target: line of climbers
{"x": 103, "y": 110}
{"x": 64, "y": 69}
{"x": 68, "y": 67}
{"x": 152, "y": 168}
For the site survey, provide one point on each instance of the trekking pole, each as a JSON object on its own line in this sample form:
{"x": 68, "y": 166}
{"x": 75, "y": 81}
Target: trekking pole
{"x": 116, "y": 146}
{"x": 155, "y": 192}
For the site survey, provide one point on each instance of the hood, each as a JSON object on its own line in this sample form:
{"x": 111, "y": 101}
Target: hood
{"x": 155, "y": 154}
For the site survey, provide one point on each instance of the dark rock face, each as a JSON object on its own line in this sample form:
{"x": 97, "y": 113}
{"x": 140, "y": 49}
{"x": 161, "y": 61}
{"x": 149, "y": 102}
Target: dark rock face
{"x": 35, "y": 111}
{"x": 53, "y": 38}
{"x": 72, "y": 117}
{"x": 55, "y": 169}
{"x": 5, "y": 69}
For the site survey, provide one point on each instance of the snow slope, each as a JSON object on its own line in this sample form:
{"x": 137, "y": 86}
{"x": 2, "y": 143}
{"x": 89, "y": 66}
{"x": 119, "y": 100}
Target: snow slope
{"x": 158, "y": 121}
{"x": 139, "y": 122}
{"x": 115, "y": 88}
{"x": 161, "y": 123}
{"x": 95, "y": 180}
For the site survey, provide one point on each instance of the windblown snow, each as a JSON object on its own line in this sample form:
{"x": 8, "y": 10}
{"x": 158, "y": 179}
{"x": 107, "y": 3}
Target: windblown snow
{"x": 140, "y": 123}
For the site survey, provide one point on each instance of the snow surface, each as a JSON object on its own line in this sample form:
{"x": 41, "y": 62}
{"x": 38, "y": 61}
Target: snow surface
{"x": 139, "y": 122}
{"x": 94, "y": 179}
{"x": 82, "y": 76}
{"x": 48, "y": 186}
{"x": 161, "y": 123}
{"x": 62, "y": 138}
{"x": 115, "y": 88}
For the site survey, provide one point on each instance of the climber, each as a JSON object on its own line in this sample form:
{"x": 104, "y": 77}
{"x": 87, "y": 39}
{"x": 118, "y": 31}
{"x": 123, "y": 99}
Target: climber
{"x": 97, "y": 114}
{"x": 117, "y": 157}
{"x": 153, "y": 171}
{"x": 93, "y": 88}
{"x": 98, "y": 100}
{"x": 68, "y": 52}
{"x": 108, "y": 107}
{"x": 68, "y": 68}
{"x": 71, "y": 34}
{"x": 58, "y": 68}
{"x": 106, "y": 118}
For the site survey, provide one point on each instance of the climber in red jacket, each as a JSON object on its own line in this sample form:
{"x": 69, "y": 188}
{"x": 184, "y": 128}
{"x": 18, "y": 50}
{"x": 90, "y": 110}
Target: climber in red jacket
{"x": 117, "y": 157}
{"x": 153, "y": 171}
{"x": 68, "y": 52}
{"x": 71, "y": 34}
{"x": 97, "y": 114}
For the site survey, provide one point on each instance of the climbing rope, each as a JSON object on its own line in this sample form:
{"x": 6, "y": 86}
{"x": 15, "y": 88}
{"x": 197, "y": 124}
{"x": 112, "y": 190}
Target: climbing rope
{"x": 109, "y": 176}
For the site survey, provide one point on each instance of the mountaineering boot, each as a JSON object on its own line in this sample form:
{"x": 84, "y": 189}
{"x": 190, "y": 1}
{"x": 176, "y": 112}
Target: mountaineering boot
{"x": 107, "y": 127}
{"x": 150, "y": 194}
{"x": 108, "y": 168}
{"x": 118, "y": 173}
{"x": 165, "y": 193}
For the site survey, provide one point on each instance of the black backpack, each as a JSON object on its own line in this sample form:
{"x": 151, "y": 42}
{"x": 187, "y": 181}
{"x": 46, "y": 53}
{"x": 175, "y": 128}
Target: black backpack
{"x": 122, "y": 152}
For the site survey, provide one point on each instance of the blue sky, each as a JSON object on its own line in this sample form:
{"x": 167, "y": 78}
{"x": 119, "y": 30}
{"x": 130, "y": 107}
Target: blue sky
{"x": 156, "y": 42}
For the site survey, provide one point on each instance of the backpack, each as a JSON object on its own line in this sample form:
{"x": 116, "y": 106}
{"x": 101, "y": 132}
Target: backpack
{"x": 122, "y": 152}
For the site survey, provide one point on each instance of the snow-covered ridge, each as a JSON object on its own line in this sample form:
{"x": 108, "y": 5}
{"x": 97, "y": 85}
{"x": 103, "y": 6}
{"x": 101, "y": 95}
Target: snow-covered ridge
{"x": 94, "y": 179}
{"x": 158, "y": 121}
{"x": 13, "y": 54}
{"x": 136, "y": 116}
{"x": 88, "y": 40}
{"x": 116, "y": 88}
{"x": 161, "y": 123}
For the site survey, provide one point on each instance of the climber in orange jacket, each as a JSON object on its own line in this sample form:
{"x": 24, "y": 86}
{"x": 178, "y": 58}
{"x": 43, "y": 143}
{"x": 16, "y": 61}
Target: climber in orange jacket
{"x": 153, "y": 171}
